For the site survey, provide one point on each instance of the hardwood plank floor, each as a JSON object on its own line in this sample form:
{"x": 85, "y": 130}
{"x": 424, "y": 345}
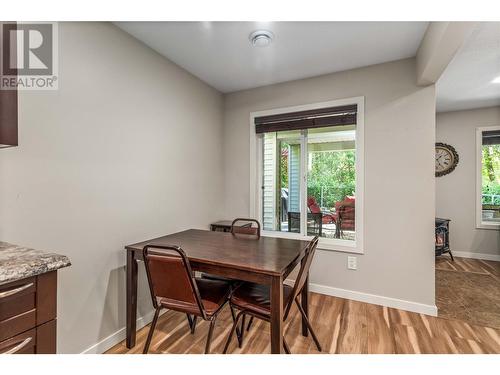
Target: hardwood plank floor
{"x": 343, "y": 326}
{"x": 468, "y": 290}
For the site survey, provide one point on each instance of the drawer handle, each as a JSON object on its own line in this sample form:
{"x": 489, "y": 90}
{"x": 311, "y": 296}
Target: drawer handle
{"x": 19, "y": 346}
{"x": 14, "y": 291}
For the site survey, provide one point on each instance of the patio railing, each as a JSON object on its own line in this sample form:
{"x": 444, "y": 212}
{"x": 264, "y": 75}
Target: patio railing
{"x": 493, "y": 199}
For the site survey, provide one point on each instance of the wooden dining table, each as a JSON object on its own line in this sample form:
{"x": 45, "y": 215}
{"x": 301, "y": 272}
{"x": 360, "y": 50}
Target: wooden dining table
{"x": 267, "y": 261}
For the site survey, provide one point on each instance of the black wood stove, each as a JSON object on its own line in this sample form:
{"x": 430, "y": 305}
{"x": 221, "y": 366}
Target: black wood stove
{"x": 443, "y": 237}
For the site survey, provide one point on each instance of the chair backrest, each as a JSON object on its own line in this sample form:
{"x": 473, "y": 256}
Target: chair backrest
{"x": 347, "y": 215}
{"x": 170, "y": 277}
{"x": 302, "y": 276}
{"x": 347, "y": 201}
{"x": 313, "y": 205}
{"x": 247, "y": 227}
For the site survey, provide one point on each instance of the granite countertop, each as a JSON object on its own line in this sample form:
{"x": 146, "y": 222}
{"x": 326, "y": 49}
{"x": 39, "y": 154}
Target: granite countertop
{"x": 17, "y": 262}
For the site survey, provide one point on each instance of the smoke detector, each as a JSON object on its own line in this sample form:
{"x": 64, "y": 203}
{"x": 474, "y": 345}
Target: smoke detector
{"x": 261, "y": 38}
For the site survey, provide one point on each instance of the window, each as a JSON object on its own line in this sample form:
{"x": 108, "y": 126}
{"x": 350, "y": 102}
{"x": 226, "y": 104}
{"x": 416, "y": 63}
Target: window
{"x": 488, "y": 177}
{"x": 308, "y": 172}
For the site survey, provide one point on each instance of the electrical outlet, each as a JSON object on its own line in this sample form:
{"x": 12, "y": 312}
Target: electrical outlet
{"x": 352, "y": 263}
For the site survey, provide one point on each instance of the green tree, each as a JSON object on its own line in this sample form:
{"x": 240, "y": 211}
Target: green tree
{"x": 284, "y": 164}
{"x": 332, "y": 176}
{"x": 491, "y": 174}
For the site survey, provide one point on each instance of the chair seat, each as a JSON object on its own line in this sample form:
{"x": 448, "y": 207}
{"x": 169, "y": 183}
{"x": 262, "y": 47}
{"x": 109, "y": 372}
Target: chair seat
{"x": 213, "y": 293}
{"x": 209, "y": 276}
{"x": 256, "y": 298}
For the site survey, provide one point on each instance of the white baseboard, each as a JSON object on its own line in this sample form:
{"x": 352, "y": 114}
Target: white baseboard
{"x": 374, "y": 299}
{"x": 118, "y": 336}
{"x": 466, "y": 254}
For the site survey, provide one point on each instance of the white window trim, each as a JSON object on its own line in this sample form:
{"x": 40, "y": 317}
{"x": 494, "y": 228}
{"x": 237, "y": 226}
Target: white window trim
{"x": 256, "y": 175}
{"x": 480, "y": 224}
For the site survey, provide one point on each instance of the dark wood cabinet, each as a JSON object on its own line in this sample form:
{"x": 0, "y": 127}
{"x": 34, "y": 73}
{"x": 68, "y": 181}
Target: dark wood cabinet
{"x": 28, "y": 310}
{"x": 8, "y": 118}
{"x": 8, "y": 102}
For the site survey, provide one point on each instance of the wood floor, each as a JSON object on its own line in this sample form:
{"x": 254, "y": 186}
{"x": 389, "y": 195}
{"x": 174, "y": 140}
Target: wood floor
{"x": 468, "y": 290}
{"x": 342, "y": 326}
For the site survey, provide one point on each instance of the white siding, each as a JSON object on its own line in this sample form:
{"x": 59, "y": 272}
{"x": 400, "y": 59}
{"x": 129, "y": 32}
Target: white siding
{"x": 269, "y": 182}
{"x": 294, "y": 178}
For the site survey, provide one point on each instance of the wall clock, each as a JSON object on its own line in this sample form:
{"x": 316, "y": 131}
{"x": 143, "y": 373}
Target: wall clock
{"x": 446, "y": 159}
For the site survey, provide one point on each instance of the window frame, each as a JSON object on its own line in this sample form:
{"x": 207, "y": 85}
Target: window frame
{"x": 480, "y": 224}
{"x": 256, "y": 160}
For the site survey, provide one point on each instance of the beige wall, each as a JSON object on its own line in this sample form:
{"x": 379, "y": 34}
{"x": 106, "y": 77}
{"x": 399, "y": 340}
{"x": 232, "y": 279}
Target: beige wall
{"x": 132, "y": 146}
{"x": 399, "y": 176}
{"x": 456, "y": 192}
{"x": 439, "y": 45}
{"x": 128, "y": 148}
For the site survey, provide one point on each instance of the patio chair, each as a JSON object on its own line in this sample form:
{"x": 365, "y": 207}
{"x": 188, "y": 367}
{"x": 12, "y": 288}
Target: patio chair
{"x": 345, "y": 215}
{"x": 313, "y": 206}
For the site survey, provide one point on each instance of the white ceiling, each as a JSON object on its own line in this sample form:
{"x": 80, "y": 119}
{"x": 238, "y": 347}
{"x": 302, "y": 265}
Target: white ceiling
{"x": 467, "y": 81}
{"x": 221, "y": 54}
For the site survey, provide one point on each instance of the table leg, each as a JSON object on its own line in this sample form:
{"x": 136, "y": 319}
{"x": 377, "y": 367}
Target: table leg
{"x": 131, "y": 298}
{"x": 277, "y": 315}
{"x": 304, "y": 299}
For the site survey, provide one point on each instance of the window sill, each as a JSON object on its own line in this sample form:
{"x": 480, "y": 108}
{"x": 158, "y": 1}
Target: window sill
{"x": 326, "y": 244}
{"x": 488, "y": 226}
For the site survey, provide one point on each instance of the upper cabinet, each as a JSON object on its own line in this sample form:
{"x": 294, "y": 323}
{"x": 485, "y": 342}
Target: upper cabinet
{"x": 8, "y": 97}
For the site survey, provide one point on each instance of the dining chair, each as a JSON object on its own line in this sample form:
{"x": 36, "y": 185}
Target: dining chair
{"x": 173, "y": 286}
{"x": 249, "y": 228}
{"x": 245, "y": 228}
{"x": 241, "y": 228}
{"x": 254, "y": 299}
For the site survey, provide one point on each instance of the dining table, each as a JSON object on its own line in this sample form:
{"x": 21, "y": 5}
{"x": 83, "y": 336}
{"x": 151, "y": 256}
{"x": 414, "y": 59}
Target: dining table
{"x": 266, "y": 260}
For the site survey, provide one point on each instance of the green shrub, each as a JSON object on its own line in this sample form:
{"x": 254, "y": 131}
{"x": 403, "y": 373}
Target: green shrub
{"x": 491, "y": 188}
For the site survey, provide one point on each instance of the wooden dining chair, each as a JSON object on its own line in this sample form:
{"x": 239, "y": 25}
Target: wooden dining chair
{"x": 173, "y": 286}
{"x": 254, "y": 299}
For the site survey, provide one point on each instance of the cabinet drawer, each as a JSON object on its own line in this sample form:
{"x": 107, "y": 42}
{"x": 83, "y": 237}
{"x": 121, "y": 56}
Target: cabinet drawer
{"x": 24, "y": 343}
{"x": 17, "y": 307}
{"x": 17, "y": 324}
{"x": 39, "y": 340}
{"x": 17, "y": 298}
{"x": 27, "y": 303}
